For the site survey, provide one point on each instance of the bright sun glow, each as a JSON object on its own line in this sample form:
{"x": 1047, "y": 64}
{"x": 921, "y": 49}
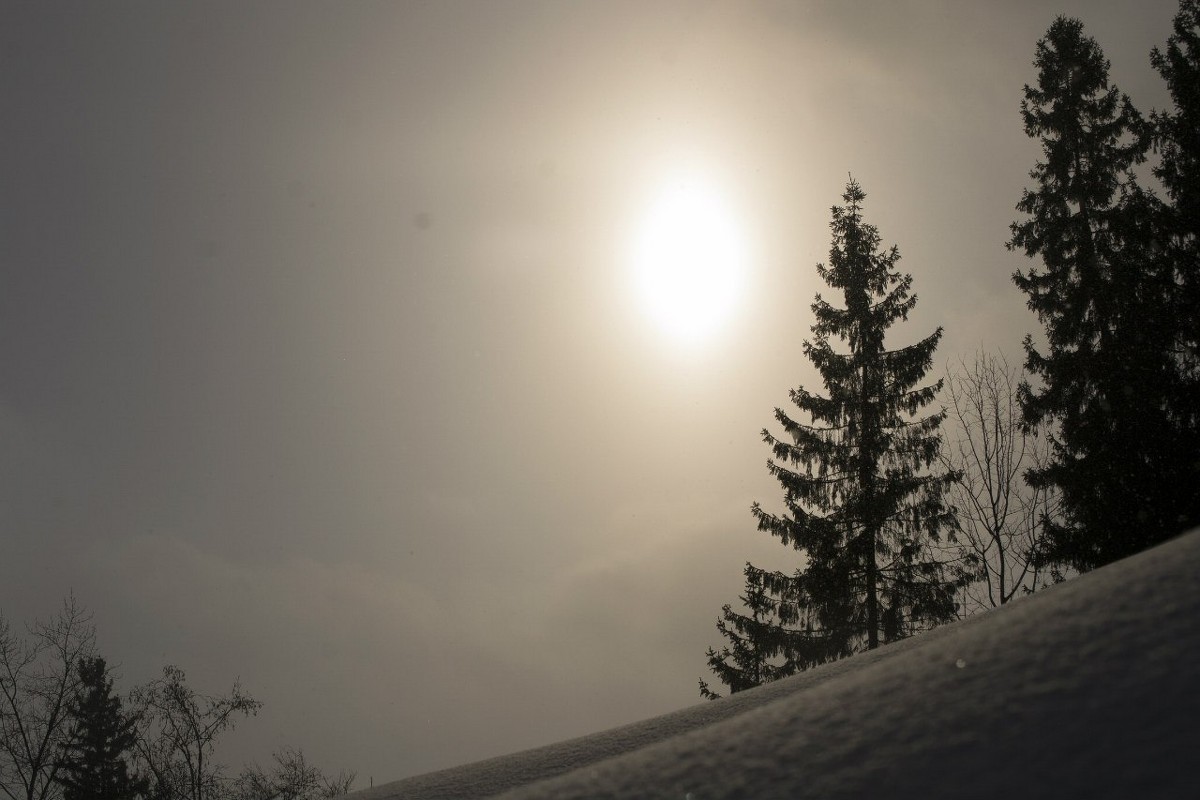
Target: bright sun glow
{"x": 689, "y": 261}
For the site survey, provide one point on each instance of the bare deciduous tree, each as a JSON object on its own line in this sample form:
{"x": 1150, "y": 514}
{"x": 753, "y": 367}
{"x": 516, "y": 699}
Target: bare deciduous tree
{"x": 293, "y": 778}
{"x": 38, "y": 678}
{"x": 999, "y": 514}
{"x": 177, "y": 731}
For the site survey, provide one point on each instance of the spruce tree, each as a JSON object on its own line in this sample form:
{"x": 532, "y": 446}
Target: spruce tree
{"x": 1178, "y": 133}
{"x": 1177, "y": 137}
{"x": 1109, "y": 384}
{"x": 95, "y": 765}
{"x": 863, "y": 503}
{"x": 755, "y": 641}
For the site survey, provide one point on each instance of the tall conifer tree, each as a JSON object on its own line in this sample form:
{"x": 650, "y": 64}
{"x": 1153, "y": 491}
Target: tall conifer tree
{"x": 1177, "y": 137}
{"x": 1178, "y": 132}
{"x": 1109, "y": 380}
{"x": 862, "y": 502}
{"x": 96, "y": 766}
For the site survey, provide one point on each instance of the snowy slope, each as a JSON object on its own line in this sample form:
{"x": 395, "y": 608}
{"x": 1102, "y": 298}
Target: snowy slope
{"x": 1087, "y": 689}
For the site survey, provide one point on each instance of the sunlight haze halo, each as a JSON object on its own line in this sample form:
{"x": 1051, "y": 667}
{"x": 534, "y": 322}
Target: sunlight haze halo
{"x": 689, "y": 260}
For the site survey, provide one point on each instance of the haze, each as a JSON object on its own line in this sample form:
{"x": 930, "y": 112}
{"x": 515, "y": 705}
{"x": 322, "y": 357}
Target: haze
{"x": 321, "y": 365}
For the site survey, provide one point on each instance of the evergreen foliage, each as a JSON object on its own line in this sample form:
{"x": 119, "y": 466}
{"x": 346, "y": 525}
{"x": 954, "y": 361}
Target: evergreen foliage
{"x": 95, "y": 766}
{"x": 1177, "y": 137}
{"x": 754, "y": 642}
{"x": 1110, "y": 384}
{"x": 862, "y": 502}
{"x": 1178, "y": 133}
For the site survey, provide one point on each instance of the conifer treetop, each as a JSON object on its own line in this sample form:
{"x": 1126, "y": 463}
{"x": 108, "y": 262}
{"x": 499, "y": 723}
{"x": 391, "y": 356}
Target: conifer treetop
{"x": 860, "y": 498}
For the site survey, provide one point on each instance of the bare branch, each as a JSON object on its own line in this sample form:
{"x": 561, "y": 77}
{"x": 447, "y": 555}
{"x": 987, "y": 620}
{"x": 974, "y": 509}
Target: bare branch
{"x": 37, "y": 680}
{"x": 999, "y": 514}
{"x": 177, "y": 731}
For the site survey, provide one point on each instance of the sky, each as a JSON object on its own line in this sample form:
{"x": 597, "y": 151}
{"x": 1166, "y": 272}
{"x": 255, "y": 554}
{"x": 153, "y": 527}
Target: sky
{"x": 323, "y": 362}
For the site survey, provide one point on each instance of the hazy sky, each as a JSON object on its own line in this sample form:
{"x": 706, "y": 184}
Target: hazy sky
{"x": 321, "y": 363}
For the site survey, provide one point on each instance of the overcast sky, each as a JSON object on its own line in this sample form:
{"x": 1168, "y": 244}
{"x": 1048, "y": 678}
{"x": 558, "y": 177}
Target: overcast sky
{"x": 321, "y": 363}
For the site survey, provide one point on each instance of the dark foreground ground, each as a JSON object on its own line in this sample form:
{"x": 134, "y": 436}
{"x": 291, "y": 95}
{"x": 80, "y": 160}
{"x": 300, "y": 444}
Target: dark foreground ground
{"x": 1087, "y": 689}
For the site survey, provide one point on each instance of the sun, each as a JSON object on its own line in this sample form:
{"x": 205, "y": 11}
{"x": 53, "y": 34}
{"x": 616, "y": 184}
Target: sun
{"x": 689, "y": 260}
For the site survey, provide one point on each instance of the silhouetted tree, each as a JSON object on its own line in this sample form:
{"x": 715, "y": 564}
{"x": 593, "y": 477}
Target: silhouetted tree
{"x": 37, "y": 681}
{"x": 96, "y": 765}
{"x": 177, "y": 731}
{"x": 1177, "y": 137}
{"x": 862, "y": 502}
{"x": 998, "y": 516}
{"x": 755, "y": 641}
{"x": 292, "y": 778}
{"x": 1108, "y": 376}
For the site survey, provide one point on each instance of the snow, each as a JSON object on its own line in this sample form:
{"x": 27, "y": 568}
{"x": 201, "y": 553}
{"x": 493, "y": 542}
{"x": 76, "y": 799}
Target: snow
{"x": 1086, "y": 689}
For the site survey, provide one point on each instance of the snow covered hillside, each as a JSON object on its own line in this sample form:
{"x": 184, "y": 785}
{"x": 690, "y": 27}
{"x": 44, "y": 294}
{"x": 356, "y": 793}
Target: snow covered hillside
{"x": 1087, "y": 689}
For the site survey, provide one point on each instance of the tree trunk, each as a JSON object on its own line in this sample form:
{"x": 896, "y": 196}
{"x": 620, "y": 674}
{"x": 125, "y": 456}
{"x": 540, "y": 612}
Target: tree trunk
{"x": 866, "y": 468}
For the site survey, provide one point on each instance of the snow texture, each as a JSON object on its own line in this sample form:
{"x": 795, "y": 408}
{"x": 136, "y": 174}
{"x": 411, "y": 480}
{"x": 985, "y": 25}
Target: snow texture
{"x": 1086, "y": 689}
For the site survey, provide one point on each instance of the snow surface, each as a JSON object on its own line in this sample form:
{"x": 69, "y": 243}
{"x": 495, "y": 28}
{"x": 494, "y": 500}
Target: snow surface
{"x": 1086, "y": 689}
